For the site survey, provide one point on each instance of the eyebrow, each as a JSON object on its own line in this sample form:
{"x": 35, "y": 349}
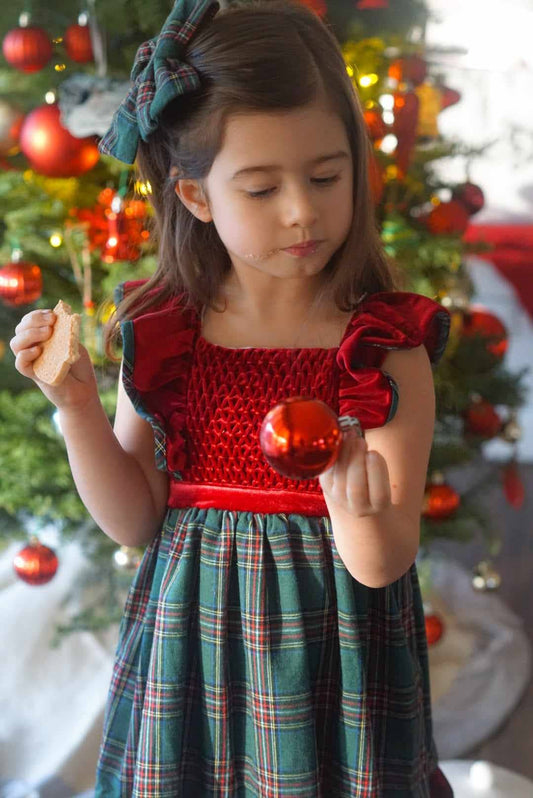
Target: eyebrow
{"x": 341, "y": 154}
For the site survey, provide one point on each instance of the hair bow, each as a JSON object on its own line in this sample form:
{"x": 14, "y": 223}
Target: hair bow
{"x": 158, "y": 77}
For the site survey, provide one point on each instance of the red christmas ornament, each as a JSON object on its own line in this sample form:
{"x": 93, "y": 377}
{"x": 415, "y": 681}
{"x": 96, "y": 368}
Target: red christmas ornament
{"x": 375, "y": 124}
{"x": 78, "y": 43}
{"x": 434, "y": 628}
{"x": 51, "y": 149}
{"x": 27, "y": 48}
{"x": 448, "y": 97}
{"x": 482, "y": 419}
{"x": 126, "y": 230}
{"x": 513, "y": 486}
{"x": 367, "y": 5}
{"x": 318, "y": 6}
{"x": 440, "y": 502}
{"x": 406, "y": 108}
{"x": 471, "y": 196}
{"x": 448, "y": 218}
{"x": 20, "y": 283}
{"x": 481, "y": 322}
{"x": 300, "y": 437}
{"x": 412, "y": 69}
{"x": 35, "y": 564}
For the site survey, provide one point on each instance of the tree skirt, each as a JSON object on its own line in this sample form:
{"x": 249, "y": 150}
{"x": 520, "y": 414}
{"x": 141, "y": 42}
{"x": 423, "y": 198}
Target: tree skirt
{"x": 480, "y": 667}
{"x": 484, "y": 780}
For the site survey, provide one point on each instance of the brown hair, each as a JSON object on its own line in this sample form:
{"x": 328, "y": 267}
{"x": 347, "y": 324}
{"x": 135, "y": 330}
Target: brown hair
{"x": 260, "y": 56}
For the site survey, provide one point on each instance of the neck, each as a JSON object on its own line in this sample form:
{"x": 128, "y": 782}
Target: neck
{"x": 266, "y": 297}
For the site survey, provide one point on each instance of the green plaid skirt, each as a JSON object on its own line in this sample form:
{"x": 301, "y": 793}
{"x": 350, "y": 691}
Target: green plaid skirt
{"x": 250, "y": 664}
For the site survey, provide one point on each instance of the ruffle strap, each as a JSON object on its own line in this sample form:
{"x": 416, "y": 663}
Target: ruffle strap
{"x": 157, "y": 354}
{"x": 385, "y": 321}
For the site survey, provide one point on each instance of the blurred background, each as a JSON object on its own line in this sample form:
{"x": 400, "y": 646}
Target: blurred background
{"x": 446, "y": 88}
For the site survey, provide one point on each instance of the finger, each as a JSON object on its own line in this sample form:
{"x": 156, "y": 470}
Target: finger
{"x": 378, "y": 480}
{"x": 24, "y": 361}
{"x": 30, "y": 336}
{"x": 37, "y": 318}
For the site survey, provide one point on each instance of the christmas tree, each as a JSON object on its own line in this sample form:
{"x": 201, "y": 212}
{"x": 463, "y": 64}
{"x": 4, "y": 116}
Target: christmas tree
{"x": 75, "y": 224}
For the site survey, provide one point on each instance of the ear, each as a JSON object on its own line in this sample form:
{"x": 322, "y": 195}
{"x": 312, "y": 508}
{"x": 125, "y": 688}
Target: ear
{"x": 192, "y": 195}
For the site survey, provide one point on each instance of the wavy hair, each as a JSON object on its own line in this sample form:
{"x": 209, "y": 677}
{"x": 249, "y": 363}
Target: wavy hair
{"x": 255, "y": 57}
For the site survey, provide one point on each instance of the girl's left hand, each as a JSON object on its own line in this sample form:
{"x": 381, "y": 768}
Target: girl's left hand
{"x": 358, "y": 483}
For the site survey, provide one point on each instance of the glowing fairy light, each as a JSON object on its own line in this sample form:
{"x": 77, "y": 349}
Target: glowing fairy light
{"x": 56, "y": 239}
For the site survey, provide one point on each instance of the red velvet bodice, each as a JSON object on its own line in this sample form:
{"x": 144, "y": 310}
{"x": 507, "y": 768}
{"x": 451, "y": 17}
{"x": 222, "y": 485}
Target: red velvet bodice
{"x": 206, "y": 403}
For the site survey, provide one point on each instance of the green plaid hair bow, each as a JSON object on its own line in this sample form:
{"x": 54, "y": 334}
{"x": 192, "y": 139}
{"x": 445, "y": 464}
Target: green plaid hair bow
{"x": 158, "y": 77}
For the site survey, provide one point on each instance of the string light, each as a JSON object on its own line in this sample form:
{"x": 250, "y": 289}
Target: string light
{"x": 368, "y": 80}
{"x": 56, "y": 239}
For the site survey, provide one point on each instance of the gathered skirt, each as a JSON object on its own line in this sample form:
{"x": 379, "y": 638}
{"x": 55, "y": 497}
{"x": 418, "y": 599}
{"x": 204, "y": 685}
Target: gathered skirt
{"x": 251, "y": 664}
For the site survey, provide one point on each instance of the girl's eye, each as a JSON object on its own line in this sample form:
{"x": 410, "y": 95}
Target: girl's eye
{"x": 326, "y": 181}
{"x": 259, "y": 194}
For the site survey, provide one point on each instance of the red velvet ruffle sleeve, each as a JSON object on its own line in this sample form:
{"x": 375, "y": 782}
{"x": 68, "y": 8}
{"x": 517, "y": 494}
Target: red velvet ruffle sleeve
{"x": 157, "y": 354}
{"x": 385, "y": 321}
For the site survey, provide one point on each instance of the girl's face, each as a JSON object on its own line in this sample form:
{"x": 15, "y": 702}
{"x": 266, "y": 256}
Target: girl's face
{"x": 279, "y": 181}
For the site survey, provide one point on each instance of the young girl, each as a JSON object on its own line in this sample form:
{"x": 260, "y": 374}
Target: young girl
{"x": 273, "y": 640}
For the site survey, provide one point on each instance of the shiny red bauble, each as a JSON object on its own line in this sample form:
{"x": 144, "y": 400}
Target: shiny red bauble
{"x": 78, "y": 43}
{"x": 412, "y": 69}
{"x": 478, "y": 321}
{"x": 51, "y": 149}
{"x": 482, "y": 419}
{"x": 20, "y": 283}
{"x": 440, "y": 502}
{"x": 434, "y": 628}
{"x": 300, "y": 437}
{"x": 35, "y": 564}
{"x": 471, "y": 196}
{"x": 448, "y": 218}
{"x": 318, "y": 6}
{"x": 27, "y": 48}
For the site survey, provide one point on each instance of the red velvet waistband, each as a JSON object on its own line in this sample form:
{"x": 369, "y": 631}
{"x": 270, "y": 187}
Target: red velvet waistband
{"x": 221, "y": 497}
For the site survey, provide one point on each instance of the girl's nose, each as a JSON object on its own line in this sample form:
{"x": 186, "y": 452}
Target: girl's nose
{"x": 299, "y": 208}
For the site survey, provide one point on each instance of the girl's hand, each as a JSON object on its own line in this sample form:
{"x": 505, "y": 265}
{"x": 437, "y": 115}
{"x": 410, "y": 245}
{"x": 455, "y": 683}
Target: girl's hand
{"x": 358, "y": 483}
{"x": 79, "y": 386}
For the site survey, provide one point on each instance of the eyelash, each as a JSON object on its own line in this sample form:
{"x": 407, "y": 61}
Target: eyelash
{"x": 322, "y": 182}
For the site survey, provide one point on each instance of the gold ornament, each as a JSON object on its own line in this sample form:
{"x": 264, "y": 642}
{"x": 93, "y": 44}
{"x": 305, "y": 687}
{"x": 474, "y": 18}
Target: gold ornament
{"x": 430, "y": 106}
{"x": 512, "y": 431}
{"x": 485, "y": 577}
{"x": 127, "y": 559}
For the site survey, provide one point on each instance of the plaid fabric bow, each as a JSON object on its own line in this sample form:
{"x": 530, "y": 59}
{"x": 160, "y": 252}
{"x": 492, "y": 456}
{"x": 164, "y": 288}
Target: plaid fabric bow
{"x": 158, "y": 76}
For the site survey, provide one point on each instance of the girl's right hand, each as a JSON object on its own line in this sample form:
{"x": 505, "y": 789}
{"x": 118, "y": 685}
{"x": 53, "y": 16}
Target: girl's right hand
{"x": 78, "y": 388}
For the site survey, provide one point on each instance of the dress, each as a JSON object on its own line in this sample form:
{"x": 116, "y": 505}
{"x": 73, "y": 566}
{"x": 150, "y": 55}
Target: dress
{"x": 250, "y": 662}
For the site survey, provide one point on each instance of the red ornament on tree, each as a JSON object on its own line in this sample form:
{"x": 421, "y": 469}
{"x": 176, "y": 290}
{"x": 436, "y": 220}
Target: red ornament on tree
{"x": 412, "y": 69}
{"x": 78, "y": 43}
{"x": 318, "y": 6}
{"x": 448, "y": 97}
{"x": 300, "y": 437}
{"x": 35, "y": 564}
{"x": 513, "y": 486}
{"x": 434, "y": 628}
{"x": 482, "y": 419}
{"x": 20, "y": 282}
{"x": 471, "y": 196}
{"x": 27, "y": 48}
{"x": 126, "y": 231}
{"x": 479, "y": 321}
{"x": 440, "y": 501}
{"x": 367, "y": 5}
{"x": 448, "y": 218}
{"x": 406, "y": 107}
{"x": 51, "y": 149}
{"x": 375, "y": 124}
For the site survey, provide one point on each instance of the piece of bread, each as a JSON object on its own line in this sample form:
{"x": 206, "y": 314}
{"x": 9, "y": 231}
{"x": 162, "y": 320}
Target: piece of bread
{"x": 61, "y": 349}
